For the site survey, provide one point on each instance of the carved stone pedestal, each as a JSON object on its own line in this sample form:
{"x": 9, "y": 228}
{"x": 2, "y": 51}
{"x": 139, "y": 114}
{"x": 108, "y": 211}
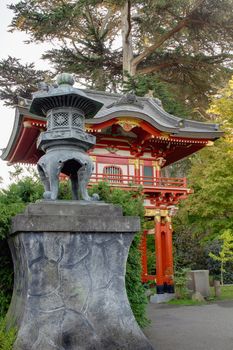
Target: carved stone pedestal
{"x": 69, "y": 292}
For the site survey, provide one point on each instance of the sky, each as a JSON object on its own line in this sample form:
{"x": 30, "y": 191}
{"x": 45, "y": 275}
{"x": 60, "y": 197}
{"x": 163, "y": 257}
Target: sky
{"x": 12, "y": 44}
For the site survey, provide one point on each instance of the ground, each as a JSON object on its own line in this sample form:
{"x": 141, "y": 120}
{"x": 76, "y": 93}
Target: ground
{"x": 202, "y": 327}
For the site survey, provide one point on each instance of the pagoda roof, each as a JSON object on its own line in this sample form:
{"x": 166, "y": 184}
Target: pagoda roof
{"x": 22, "y": 143}
{"x": 150, "y": 110}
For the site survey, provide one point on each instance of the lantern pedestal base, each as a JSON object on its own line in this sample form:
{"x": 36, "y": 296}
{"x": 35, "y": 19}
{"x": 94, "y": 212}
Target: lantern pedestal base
{"x": 69, "y": 290}
{"x": 161, "y": 298}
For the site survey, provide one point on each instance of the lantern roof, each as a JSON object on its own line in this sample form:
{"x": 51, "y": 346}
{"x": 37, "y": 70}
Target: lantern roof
{"x": 62, "y": 94}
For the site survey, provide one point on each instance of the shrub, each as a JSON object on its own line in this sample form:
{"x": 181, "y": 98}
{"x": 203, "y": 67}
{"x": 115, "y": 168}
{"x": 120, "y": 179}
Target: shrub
{"x": 181, "y": 281}
{"x": 214, "y": 265}
{"x": 7, "y": 337}
{"x": 12, "y": 201}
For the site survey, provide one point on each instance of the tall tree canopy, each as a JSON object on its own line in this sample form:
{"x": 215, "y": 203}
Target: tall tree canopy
{"x": 209, "y": 211}
{"x": 17, "y": 79}
{"x": 207, "y": 214}
{"x": 183, "y": 43}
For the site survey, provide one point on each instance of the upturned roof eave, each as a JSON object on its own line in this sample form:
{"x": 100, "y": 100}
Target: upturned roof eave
{"x": 208, "y": 135}
{"x": 149, "y": 103}
{"x": 20, "y": 113}
{"x": 120, "y": 113}
{"x": 189, "y": 130}
{"x": 13, "y": 137}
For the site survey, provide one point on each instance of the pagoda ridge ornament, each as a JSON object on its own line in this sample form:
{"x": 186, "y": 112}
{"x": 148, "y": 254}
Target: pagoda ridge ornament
{"x": 65, "y": 142}
{"x": 128, "y": 99}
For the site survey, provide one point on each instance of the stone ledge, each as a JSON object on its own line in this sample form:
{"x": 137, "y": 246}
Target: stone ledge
{"x": 54, "y": 223}
{"x": 74, "y": 217}
{"x": 73, "y": 208}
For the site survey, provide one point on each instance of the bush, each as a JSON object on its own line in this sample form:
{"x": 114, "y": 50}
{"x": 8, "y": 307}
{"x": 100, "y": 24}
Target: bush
{"x": 7, "y": 337}
{"x": 6, "y": 277}
{"x": 181, "y": 281}
{"x": 12, "y": 201}
{"x": 214, "y": 266}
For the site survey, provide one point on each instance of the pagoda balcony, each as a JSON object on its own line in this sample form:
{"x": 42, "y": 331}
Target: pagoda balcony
{"x": 148, "y": 183}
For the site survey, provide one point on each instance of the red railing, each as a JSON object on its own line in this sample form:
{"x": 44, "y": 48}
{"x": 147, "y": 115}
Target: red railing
{"x": 134, "y": 181}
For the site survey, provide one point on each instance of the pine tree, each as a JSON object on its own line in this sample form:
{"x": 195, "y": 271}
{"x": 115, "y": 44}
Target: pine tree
{"x": 185, "y": 44}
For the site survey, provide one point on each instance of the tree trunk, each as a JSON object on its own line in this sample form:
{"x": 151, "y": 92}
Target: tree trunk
{"x": 222, "y": 273}
{"x": 127, "y": 41}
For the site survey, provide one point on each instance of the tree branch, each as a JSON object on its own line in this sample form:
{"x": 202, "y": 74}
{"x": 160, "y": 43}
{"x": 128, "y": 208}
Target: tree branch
{"x": 162, "y": 39}
{"x": 183, "y": 60}
{"x": 183, "y": 23}
{"x": 105, "y": 23}
{"x": 129, "y": 22}
{"x": 156, "y": 67}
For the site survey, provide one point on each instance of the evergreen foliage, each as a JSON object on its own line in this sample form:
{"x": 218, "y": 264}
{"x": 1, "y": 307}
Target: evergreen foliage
{"x": 17, "y": 79}
{"x": 184, "y": 44}
{"x": 181, "y": 281}
{"x": 188, "y": 252}
{"x": 151, "y": 86}
{"x": 12, "y": 201}
{"x": 222, "y": 106}
{"x": 208, "y": 211}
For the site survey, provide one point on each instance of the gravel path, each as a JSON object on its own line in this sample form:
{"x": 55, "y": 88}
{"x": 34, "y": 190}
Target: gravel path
{"x": 205, "y": 327}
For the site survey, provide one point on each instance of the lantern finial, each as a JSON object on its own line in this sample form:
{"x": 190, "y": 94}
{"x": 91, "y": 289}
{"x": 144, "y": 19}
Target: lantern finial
{"x": 65, "y": 79}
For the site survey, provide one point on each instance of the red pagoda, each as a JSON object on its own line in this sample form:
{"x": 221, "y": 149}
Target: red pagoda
{"x": 135, "y": 139}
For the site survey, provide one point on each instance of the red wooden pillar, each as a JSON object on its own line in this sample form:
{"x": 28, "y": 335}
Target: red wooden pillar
{"x": 136, "y": 163}
{"x": 164, "y": 255}
{"x": 137, "y": 170}
{"x": 158, "y": 165}
{"x": 169, "y": 270}
{"x": 159, "y": 257}
{"x": 157, "y": 173}
{"x": 143, "y": 248}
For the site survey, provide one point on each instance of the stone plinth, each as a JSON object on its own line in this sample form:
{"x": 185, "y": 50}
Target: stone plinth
{"x": 199, "y": 282}
{"x": 69, "y": 290}
{"x": 161, "y": 298}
